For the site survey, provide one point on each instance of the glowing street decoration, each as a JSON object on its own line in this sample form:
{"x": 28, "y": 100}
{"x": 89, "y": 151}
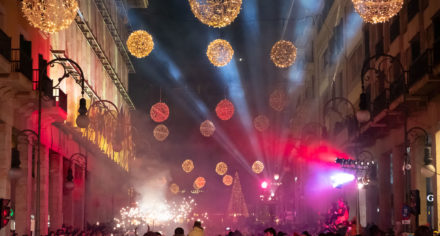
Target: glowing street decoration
{"x": 224, "y": 109}
{"x": 257, "y": 167}
{"x": 221, "y": 168}
{"x": 187, "y": 165}
{"x": 159, "y": 112}
{"x": 50, "y": 16}
{"x": 377, "y": 11}
{"x": 140, "y": 43}
{"x": 261, "y": 123}
{"x": 207, "y": 128}
{"x": 278, "y": 100}
{"x": 161, "y": 132}
{"x": 283, "y": 54}
{"x": 199, "y": 183}
{"x": 216, "y": 13}
{"x": 174, "y": 188}
{"x": 220, "y": 52}
{"x": 264, "y": 185}
{"x": 227, "y": 180}
{"x": 339, "y": 179}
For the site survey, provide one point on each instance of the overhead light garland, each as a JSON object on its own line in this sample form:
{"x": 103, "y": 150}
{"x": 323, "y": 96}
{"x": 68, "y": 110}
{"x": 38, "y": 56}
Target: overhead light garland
{"x": 227, "y": 180}
{"x": 221, "y": 168}
{"x": 261, "y": 123}
{"x": 283, "y": 54}
{"x": 159, "y": 112}
{"x": 220, "y": 52}
{"x": 277, "y": 100}
{"x": 207, "y": 128}
{"x": 161, "y": 132}
{"x": 140, "y": 43}
{"x": 50, "y": 16}
{"x": 377, "y": 11}
{"x": 257, "y": 167}
{"x": 224, "y": 109}
{"x": 216, "y": 13}
{"x": 187, "y": 165}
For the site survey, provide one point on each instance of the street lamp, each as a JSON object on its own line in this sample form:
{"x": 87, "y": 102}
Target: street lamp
{"x": 428, "y": 169}
{"x": 69, "y": 184}
{"x": 66, "y": 74}
{"x": 16, "y": 172}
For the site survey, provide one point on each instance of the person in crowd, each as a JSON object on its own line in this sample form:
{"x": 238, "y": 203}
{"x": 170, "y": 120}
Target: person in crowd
{"x": 179, "y": 232}
{"x": 423, "y": 230}
{"x": 281, "y": 233}
{"x": 270, "y": 232}
{"x": 197, "y": 229}
{"x": 305, "y": 233}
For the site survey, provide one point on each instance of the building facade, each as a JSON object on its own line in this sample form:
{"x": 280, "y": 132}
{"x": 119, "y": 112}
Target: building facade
{"x": 98, "y": 164}
{"x": 401, "y": 90}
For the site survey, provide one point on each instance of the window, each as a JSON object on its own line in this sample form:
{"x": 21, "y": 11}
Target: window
{"x": 395, "y": 28}
{"x": 367, "y": 43}
{"x": 415, "y": 48}
{"x": 436, "y": 23}
{"x": 413, "y": 9}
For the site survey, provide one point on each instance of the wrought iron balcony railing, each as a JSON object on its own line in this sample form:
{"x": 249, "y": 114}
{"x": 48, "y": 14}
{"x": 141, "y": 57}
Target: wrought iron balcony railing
{"x": 21, "y": 62}
{"x": 420, "y": 67}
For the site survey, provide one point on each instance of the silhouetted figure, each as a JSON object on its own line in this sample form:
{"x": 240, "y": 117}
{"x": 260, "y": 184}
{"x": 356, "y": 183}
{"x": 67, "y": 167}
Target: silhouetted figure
{"x": 197, "y": 229}
{"x": 270, "y": 232}
{"x": 423, "y": 231}
{"x": 179, "y": 232}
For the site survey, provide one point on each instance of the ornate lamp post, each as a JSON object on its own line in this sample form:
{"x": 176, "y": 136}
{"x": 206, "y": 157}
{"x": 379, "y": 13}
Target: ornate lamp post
{"x": 82, "y": 110}
{"x": 70, "y": 185}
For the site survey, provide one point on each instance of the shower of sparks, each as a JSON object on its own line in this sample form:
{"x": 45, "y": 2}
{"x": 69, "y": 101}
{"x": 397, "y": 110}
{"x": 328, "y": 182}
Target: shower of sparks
{"x": 155, "y": 213}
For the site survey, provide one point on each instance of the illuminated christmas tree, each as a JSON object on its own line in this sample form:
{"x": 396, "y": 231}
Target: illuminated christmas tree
{"x": 237, "y": 204}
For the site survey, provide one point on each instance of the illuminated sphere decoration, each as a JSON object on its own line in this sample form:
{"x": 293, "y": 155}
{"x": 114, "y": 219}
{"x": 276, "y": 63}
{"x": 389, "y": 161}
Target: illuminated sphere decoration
{"x": 224, "y": 109}
{"x": 221, "y": 168}
{"x": 159, "y": 112}
{"x": 377, "y": 11}
{"x": 227, "y": 180}
{"x": 161, "y": 132}
{"x": 257, "y": 167}
{"x": 174, "y": 188}
{"x": 140, "y": 43}
{"x": 50, "y": 16}
{"x": 216, "y": 13}
{"x": 199, "y": 182}
{"x": 277, "y": 100}
{"x": 207, "y": 128}
{"x": 187, "y": 165}
{"x": 283, "y": 54}
{"x": 220, "y": 52}
{"x": 261, "y": 123}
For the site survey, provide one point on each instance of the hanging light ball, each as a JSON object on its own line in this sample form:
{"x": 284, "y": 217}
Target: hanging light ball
{"x": 221, "y": 168}
{"x": 159, "y": 112}
{"x": 207, "y": 128}
{"x": 261, "y": 123}
{"x": 174, "y": 188}
{"x": 50, "y": 16}
{"x": 377, "y": 11}
{"x": 278, "y": 100}
{"x": 224, "y": 109}
{"x": 227, "y": 180}
{"x": 215, "y": 13}
{"x": 187, "y": 165}
{"x": 161, "y": 132}
{"x": 199, "y": 182}
{"x": 140, "y": 43}
{"x": 257, "y": 167}
{"x": 283, "y": 54}
{"x": 220, "y": 52}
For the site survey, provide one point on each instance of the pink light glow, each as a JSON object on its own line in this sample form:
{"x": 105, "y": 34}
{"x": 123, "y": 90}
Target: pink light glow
{"x": 264, "y": 185}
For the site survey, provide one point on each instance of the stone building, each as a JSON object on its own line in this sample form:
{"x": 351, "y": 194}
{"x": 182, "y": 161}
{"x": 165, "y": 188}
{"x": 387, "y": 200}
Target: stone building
{"x": 99, "y": 165}
{"x": 342, "y": 45}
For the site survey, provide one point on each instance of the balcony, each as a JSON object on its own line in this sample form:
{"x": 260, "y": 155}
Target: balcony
{"x": 423, "y": 77}
{"x": 20, "y": 62}
{"x": 62, "y": 100}
{"x": 396, "y": 89}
